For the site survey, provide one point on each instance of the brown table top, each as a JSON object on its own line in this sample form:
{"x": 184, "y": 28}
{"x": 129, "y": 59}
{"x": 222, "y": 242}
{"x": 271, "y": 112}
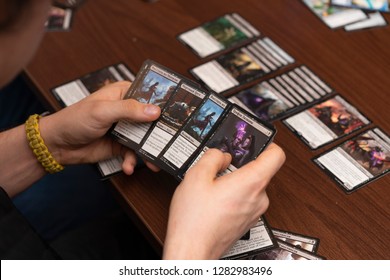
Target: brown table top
{"x": 303, "y": 199}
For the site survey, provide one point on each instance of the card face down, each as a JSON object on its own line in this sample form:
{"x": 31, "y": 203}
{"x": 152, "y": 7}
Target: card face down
{"x": 218, "y": 35}
{"x": 357, "y": 161}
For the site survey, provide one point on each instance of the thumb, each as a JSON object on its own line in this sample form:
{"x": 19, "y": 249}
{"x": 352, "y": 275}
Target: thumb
{"x": 132, "y": 110}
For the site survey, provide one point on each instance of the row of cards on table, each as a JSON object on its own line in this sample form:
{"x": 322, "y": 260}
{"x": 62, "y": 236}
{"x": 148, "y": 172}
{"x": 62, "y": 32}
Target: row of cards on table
{"x": 326, "y": 117}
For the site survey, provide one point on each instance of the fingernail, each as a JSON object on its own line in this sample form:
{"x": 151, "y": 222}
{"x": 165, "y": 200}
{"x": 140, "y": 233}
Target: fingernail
{"x": 151, "y": 110}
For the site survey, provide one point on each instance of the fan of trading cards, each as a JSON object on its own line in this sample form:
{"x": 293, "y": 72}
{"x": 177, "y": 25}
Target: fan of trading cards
{"x": 192, "y": 121}
{"x": 350, "y": 14}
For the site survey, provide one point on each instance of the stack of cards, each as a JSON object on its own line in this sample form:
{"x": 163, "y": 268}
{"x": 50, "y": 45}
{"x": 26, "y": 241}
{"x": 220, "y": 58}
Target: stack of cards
{"x": 275, "y": 98}
{"x": 242, "y": 65}
{"x": 191, "y": 122}
{"x": 61, "y": 14}
{"x": 357, "y": 161}
{"x": 73, "y": 91}
{"x": 59, "y": 19}
{"x": 326, "y": 122}
{"x": 218, "y": 35}
{"x": 265, "y": 243}
{"x": 350, "y": 14}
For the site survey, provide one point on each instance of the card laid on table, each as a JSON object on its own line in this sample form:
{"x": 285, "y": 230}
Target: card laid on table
{"x": 326, "y": 122}
{"x": 76, "y": 90}
{"x": 334, "y": 17}
{"x": 218, "y": 35}
{"x": 281, "y": 95}
{"x": 358, "y": 161}
{"x": 242, "y": 65}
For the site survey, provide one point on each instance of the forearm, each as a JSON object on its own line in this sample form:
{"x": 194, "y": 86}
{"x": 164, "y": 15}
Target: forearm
{"x": 19, "y": 167}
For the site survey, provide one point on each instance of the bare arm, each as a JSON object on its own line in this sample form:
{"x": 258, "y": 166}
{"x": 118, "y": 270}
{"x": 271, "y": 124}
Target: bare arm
{"x": 73, "y": 135}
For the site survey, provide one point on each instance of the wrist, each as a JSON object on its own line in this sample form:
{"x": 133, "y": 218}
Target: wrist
{"x": 43, "y": 145}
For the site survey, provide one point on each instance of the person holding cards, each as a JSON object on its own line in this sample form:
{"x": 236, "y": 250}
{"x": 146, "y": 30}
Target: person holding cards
{"x": 220, "y": 209}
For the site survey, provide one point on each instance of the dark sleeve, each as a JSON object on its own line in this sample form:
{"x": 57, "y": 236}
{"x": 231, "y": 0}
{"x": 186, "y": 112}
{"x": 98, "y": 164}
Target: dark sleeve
{"x": 18, "y": 240}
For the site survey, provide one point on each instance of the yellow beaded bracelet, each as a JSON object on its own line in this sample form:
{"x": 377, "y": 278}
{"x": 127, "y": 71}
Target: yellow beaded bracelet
{"x": 38, "y": 146}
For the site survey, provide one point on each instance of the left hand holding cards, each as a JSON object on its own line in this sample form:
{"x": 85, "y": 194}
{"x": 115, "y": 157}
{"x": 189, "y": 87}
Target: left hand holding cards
{"x": 84, "y": 141}
{"x": 218, "y": 210}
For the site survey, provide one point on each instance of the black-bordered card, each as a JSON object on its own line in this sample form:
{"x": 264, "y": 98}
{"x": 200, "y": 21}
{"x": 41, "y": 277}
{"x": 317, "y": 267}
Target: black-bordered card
{"x": 261, "y": 239}
{"x": 240, "y": 134}
{"x": 242, "y": 65}
{"x": 286, "y": 251}
{"x": 334, "y": 17}
{"x": 75, "y": 90}
{"x": 358, "y": 161}
{"x": 59, "y": 19}
{"x": 154, "y": 84}
{"x": 223, "y": 33}
{"x": 369, "y": 5}
{"x": 181, "y": 150}
{"x": 300, "y": 241}
{"x": 178, "y": 110}
{"x": 277, "y": 97}
{"x": 326, "y": 122}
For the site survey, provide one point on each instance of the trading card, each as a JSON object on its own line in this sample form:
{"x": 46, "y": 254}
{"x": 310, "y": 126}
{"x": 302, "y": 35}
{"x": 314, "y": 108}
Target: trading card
{"x": 276, "y": 51}
{"x": 274, "y": 98}
{"x": 304, "y": 85}
{"x": 298, "y": 240}
{"x": 220, "y": 34}
{"x": 287, "y": 251}
{"x": 263, "y": 100}
{"x": 241, "y": 135}
{"x": 297, "y": 88}
{"x": 240, "y": 66}
{"x": 273, "y": 85}
{"x": 326, "y": 122}
{"x": 154, "y": 84}
{"x": 374, "y": 20}
{"x": 72, "y": 92}
{"x": 371, "y": 5}
{"x": 177, "y": 111}
{"x": 358, "y": 161}
{"x": 334, "y": 17}
{"x": 198, "y": 127}
{"x": 315, "y": 78}
{"x": 59, "y": 19}
{"x": 312, "y": 80}
{"x": 261, "y": 239}
{"x": 72, "y": 4}
{"x": 110, "y": 166}
{"x": 291, "y": 92}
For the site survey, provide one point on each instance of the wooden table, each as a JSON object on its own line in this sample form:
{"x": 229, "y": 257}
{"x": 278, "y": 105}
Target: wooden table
{"x": 303, "y": 199}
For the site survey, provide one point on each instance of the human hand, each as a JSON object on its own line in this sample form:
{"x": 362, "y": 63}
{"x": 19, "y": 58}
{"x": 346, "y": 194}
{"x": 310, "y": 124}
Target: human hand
{"x": 76, "y": 134}
{"x": 208, "y": 214}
